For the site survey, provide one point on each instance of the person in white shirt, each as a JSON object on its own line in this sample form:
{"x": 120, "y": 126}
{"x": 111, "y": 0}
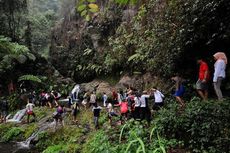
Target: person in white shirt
{"x": 144, "y": 109}
{"x": 111, "y": 112}
{"x": 104, "y": 97}
{"x": 29, "y": 111}
{"x": 219, "y": 72}
{"x": 137, "y": 104}
{"x": 158, "y": 96}
{"x": 92, "y": 100}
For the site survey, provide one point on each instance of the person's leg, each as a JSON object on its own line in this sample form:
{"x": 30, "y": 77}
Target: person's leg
{"x": 179, "y": 99}
{"x": 200, "y": 92}
{"x": 217, "y": 88}
{"x": 34, "y": 116}
{"x": 28, "y": 118}
{"x": 205, "y": 94}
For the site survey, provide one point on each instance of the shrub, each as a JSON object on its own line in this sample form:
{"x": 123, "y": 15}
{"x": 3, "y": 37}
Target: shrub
{"x": 12, "y": 134}
{"x": 202, "y": 126}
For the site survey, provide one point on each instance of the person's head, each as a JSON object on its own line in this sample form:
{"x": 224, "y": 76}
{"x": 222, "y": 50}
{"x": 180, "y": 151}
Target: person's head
{"x": 199, "y": 60}
{"x": 220, "y": 56}
{"x": 144, "y": 92}
{"x": 154, "y": 89}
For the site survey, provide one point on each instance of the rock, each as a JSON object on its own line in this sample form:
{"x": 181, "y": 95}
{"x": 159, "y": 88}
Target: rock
{"x": 104, "y": 87}
{"x": 97, "y": 85}
{"x": 91, "y": 86}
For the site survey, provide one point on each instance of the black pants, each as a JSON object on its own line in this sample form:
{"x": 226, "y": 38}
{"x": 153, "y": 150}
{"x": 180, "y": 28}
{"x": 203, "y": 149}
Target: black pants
{"x": 145, "y": 114}
{"x": 137, "y": 113}
{"x": 157, "y": 106}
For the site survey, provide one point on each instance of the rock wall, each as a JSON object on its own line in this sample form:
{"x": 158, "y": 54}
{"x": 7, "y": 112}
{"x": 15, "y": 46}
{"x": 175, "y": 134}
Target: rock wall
{"x": 72, "y": 35}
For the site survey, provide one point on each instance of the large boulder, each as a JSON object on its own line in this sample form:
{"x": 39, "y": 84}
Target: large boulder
{"x": 97, "y": 85}
{"x": 104, "y": 87}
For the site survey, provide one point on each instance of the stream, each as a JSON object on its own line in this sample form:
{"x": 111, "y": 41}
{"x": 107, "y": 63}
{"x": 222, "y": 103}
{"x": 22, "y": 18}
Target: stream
{"x": 13, "y": 147}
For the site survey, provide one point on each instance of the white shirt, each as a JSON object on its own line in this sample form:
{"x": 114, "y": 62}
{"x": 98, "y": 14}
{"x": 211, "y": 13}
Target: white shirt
{"x": 137, "y": 101}
{"x": 219, "y": 69}
{"x": 105, "y": 98}
{"x": 110, "y": 108}
{"x": 119, "y": 96}
{"x": 143, "y": 100}
{"x": 158, "y": 96}
{"x": 93, "y": 98}
{"x": 29, "y": 107}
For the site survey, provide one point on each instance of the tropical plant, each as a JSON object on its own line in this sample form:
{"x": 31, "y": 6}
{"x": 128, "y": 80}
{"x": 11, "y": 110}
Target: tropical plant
{"x": 29, "y": 77}
{"x": 12, "y": 53}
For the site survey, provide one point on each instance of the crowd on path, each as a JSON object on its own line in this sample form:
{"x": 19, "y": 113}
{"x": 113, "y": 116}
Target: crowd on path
{"x": 132, "y": 103}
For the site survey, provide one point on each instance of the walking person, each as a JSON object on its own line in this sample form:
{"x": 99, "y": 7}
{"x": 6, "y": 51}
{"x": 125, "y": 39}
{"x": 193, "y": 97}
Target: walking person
{"x": 180, "y": 90}
{"x": 96, "y": 113}
{"x": 123, "y": 110}
{"x": 92, "y": 100}
{"x": 58, "y": 116}
{"x": 219, "y": 72}
{"x": 144, "y": 108}
{"x": 158, "y": 97}
{"x": 4, "y": 109}
{"x": 105, "y": 98}
{"x": 29, "y": 111}
{"x": 137, "y": 104}
{"x": 202, "y": 82}
{"x": 111, "y": 112}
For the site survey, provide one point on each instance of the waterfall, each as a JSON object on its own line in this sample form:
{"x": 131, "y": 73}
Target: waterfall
{"x": 18, "y": 116}
{"x": 45, "y": 126}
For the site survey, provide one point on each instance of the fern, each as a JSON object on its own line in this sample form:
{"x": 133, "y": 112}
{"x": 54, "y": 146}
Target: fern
{"x": 29, "y": 77}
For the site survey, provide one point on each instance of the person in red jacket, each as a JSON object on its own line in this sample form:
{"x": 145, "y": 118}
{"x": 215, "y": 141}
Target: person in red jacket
{"x": 202, "y": 83}
{"x": 123, "y": 110}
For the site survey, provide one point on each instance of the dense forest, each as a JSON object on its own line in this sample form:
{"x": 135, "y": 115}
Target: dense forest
{"x": 103, "y": 45}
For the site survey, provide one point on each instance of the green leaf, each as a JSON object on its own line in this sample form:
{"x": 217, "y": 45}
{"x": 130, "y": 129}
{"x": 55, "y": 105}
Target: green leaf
{"x": 81, "y": 7}
{"x": 87, "y": 17}
{"x": 93, "y": 6}
{"x": 91, "y": 1}
{"x": 83, "y": 13}
{"x": 93, "y": 10}
{"x": 29, "y": 77}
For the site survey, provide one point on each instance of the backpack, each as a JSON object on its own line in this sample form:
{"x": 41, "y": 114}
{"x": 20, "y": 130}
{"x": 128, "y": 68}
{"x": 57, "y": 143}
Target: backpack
{"x": 60, "y": 110}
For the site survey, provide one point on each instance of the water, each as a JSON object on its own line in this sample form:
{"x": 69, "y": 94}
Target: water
{"x": 13, "y": 147}
{"x": 18, "y": 116}
{"x": 43, "y": 127}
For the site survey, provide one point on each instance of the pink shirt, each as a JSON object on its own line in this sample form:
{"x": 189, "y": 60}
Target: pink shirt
{"x": 124, "y": 107}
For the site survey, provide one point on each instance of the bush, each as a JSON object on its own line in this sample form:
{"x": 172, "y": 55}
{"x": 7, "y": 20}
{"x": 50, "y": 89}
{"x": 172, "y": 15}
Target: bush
{"x": 12, "y": 134}
{"x": 202, "y": 126}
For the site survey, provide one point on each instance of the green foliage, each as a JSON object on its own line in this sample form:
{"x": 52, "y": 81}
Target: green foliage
{"x": 42, "y": 16}
{"x": 29, "y": 77}
{"x": 87, "y": 8}
{"x": 202, "y": 126}
{"x": 99, "y": 142}
{"x": 12, "y": 54}
{"x": 12, "y": 134}
{"x": 30, "y": 130}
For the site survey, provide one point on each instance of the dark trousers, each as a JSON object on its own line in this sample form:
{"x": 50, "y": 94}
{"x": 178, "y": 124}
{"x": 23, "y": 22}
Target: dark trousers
{"x": 137, "y": 113}
{"x": 145, "y": 114}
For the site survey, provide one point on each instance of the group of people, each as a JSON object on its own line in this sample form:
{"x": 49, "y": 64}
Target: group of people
{"x": 202, "y": 84}
{"x": 132, "y": 103}
{"x": 218, "y": 76}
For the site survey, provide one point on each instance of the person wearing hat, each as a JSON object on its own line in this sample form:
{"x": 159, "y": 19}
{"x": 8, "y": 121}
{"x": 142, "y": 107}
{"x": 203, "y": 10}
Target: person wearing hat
{"x": 219, "y": 72}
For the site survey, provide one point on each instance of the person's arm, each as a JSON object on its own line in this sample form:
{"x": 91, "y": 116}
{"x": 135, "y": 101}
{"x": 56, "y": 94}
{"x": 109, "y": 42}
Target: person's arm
{"x": 118, "y": 104}
{"x": 217, "y": 70}
{"x": 161, "y": 94}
